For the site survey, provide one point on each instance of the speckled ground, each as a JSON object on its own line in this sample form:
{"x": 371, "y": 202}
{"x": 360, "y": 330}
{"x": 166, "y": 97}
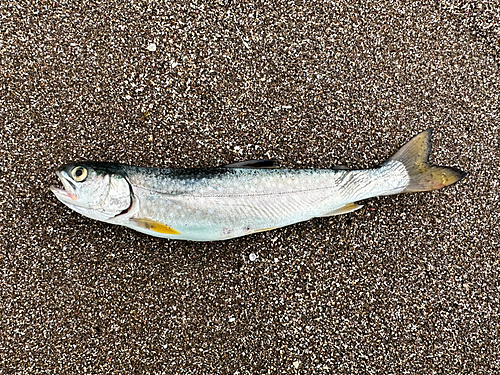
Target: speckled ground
{"x": 407, "y": 285}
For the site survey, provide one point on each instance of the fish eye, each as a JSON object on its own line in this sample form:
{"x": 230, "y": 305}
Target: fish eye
{"x": 79, "y": 174}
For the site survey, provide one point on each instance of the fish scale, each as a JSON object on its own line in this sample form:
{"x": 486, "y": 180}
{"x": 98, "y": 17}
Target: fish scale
{"x": 278, "y": 198}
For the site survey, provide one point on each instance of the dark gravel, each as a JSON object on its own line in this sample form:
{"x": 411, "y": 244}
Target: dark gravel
{"x": 407, "y": 285}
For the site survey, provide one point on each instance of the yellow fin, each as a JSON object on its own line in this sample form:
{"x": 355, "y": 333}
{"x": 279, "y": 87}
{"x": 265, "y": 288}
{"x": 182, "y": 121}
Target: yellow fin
{"x": 263, "y": 230}
{"x": 154, "y": 226}
{"x": 349, "y": 207}
{"x": 424, "y": 176}
{"x": 251, "y": 231}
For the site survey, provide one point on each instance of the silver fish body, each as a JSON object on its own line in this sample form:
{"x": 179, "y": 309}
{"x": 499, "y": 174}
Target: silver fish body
{"x": 237, "y": 200}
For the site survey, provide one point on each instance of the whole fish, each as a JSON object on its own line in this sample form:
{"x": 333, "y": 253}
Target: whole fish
{"x": 242, "y": 198}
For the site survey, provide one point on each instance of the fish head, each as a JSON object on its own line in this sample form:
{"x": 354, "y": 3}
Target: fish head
{"x": 95, "y": 190}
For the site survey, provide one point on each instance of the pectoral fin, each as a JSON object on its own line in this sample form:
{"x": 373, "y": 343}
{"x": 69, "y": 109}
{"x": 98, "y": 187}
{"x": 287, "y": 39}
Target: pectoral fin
{"x": 343, "y": 210}
{"x": 154, "y": 226}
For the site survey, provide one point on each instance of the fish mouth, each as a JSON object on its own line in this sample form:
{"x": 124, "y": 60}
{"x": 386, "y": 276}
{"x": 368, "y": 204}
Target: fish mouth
{"x": 68, "y": 193}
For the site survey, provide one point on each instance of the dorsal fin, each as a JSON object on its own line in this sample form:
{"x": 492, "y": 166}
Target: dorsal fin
{"x": 252, "y": 164}
{"x": 340, "y": 167}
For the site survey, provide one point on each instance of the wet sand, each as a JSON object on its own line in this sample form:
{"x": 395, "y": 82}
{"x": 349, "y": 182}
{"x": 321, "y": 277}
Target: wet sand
{"x": 408, "y": 284}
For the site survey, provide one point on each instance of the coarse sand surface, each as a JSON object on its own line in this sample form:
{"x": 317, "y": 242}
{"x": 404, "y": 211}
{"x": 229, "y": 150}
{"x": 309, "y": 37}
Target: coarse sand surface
{"x": 410, "y": 284}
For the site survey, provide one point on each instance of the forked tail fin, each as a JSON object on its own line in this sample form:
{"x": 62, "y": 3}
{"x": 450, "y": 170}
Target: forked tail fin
{"x": 424, "y": 176}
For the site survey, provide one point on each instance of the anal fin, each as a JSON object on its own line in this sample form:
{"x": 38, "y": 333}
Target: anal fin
{"x": 263, "y": 230}
{"x": 350, "y": 207}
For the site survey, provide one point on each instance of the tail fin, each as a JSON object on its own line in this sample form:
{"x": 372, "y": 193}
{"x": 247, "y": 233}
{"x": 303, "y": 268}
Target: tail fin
{"x": 424, "y": 176}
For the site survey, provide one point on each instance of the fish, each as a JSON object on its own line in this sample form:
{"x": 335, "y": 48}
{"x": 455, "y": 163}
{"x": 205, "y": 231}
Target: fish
{"x": 234, "y": 200}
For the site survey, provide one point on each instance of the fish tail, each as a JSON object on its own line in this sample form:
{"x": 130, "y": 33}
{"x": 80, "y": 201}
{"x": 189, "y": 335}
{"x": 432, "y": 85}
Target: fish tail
{"x": 424, "y": 176}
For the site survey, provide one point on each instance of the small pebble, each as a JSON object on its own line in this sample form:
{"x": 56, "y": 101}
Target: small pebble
{"x": 151, "y": 47}
{"x": 252, "y": 257}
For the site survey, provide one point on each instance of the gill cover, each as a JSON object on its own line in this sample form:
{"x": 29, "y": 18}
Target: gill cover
{"x": 96, "y": 190}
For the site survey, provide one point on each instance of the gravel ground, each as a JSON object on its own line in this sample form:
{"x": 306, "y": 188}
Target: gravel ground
{"x": 407, "y": 285}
